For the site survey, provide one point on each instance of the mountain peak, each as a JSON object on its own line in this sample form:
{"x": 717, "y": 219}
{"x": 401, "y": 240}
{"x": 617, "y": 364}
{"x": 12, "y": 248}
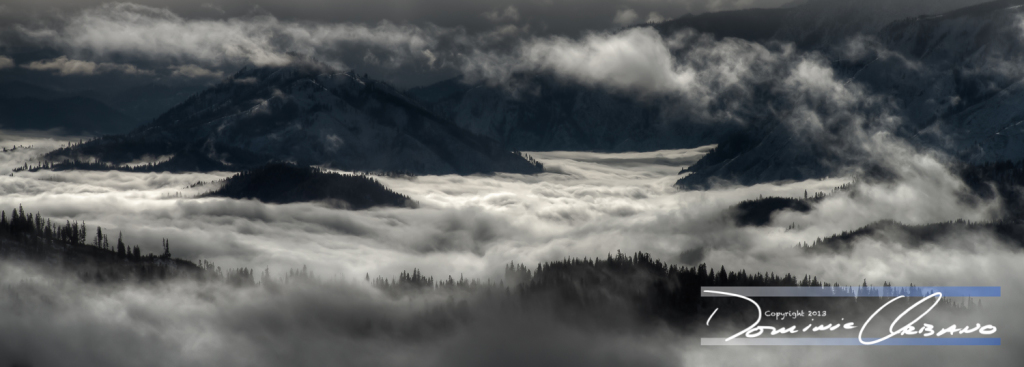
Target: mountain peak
{"x": 310, "y": 114}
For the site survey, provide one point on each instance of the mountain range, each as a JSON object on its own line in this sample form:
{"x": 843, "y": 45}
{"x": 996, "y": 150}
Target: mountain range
{"x": 953, "y": 80}
{"x": 950, "y": 75}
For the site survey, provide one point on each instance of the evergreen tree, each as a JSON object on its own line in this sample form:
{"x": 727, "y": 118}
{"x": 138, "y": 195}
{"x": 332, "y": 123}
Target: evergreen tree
{"x": 120, "y": 246}
{"x": 167, "y": 249}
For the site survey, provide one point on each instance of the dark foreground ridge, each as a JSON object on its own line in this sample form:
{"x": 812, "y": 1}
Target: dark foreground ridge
{"x": 282, "y": 183}
{"x": 614, "y": 293}
{"x": 68, "y": 248}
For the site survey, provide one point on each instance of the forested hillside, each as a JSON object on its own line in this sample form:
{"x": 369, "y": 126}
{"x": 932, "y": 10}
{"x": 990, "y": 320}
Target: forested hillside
{"x": 285, "y": 183}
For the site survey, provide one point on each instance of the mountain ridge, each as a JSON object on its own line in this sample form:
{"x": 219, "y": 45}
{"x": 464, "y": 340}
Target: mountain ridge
{"x": 951, "y": 78}
{"x": 309, "y": 114}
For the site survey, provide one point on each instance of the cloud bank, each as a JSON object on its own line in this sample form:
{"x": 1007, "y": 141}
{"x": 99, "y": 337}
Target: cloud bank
{"x": 64, "y": 66}
{"x": 157, "y": 34}
{"x": 587, "y": 205}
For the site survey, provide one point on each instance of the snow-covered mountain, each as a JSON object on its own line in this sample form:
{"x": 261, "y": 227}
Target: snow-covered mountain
{"x": 951, "y": 80}
{"x": 308, "y": 114}
{"x": 963, "y": 93}
{"x": 939, "y": 75}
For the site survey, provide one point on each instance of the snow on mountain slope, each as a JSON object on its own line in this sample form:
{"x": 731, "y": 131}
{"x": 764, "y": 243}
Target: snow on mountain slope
{"x": 958, "y": 76}
{"x": 308, "y": 114}
{"x": 949, "y": 83}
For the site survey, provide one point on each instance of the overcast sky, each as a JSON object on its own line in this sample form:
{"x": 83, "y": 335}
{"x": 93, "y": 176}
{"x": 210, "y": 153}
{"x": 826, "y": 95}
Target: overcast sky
{"x": 559, "y": 16}
{"x": 404, "y": 42}
{"x": 585, "y": 205}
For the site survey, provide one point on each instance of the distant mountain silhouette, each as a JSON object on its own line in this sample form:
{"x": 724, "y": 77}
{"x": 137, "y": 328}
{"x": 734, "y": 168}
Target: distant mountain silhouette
{"x": 149, "y": 101}
{"x": 25, "y": 106}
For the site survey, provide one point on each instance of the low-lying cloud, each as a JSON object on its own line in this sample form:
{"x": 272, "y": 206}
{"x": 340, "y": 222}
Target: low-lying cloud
{"x": 587, "y": 205}
{"x": 686, "y": 68}
{"x": 157, "y": 34}
{"x": 194, "y": 71}
{"x": 625, "y": 17}
{"x": 65, "y": 66}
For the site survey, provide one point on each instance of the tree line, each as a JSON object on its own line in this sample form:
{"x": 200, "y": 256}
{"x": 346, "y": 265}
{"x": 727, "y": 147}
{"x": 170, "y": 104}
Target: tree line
{"x": 93, "y": 257}
{"x": 637, "y": 286}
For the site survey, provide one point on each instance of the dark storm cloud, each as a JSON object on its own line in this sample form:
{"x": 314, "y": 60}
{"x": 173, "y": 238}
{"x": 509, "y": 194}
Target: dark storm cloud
{"x": 402, "y": 41}
{"x": 587, "y": 205}
{"x": 154, "y": 33}
{"x": 547, "y": 16}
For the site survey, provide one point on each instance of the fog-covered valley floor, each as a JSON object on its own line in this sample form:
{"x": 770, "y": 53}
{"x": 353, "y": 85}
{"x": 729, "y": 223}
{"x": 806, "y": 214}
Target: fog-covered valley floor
{"x": 584, "y": 205}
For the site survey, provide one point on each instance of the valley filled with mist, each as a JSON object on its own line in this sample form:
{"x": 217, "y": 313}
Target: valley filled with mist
{"x": 325, "y": 283}
{"x": 507, "y": 182}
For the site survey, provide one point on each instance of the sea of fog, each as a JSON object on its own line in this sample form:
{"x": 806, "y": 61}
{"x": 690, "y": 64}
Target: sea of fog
{"x": 584, "y": 205}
